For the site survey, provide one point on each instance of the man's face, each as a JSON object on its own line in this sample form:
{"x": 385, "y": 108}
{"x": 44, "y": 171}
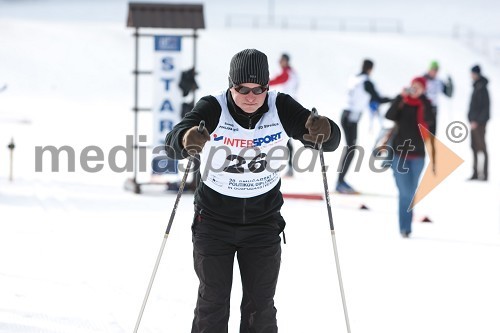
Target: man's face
{"x": 433, "y": 72}
{"x": 248, "y": 103}
{"x": 474, "y": 76}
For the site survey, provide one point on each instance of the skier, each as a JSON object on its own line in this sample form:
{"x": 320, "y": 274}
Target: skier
{"x": 409, "y": 110}
{"x": 361, "y": 92}
{"x": 479, "y": 114}
{"x": 237, "y": 203}
{"x": 435, "y": 86}
{"x": 287, "y": 82}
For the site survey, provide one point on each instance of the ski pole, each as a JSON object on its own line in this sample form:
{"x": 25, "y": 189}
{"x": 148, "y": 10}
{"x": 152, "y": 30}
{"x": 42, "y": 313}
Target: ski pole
{"x": 314, "y": 113}
{"x": 201, "y": 127}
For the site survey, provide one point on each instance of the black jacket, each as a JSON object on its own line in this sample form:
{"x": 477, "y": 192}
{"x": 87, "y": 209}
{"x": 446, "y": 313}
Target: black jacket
{"x": 406, "y": 118}
{"x": 374, "y": 96}
{"x": 242, "y": 210}
{"x": 479, "y": 110}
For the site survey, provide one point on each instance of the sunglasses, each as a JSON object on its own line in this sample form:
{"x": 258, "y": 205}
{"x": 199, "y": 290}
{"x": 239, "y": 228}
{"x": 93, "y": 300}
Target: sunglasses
{"x": 246, "y": 90}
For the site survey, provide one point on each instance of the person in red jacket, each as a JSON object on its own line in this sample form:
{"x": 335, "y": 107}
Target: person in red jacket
{"x": 287, "y": 82}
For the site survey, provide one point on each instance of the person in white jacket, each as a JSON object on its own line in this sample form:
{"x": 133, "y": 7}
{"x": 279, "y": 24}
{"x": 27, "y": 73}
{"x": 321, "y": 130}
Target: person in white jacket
{"x": 436, "y": 86}
{"x": 361, "y": 92}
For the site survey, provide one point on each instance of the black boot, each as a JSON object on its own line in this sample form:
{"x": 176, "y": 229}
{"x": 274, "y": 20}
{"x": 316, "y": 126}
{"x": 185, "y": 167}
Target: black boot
{"x": 474, "y": 176}
{"x": 474, "y": 166}
{"x": 485, "y": 166}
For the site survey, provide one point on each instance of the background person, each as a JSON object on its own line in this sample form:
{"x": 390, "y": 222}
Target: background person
{"x": 361, "y": 91}
{"x": 479, "y": 114}
{"x": 287, "y": 82}
{"x": 410, "y": 109}
{"x": 434, "y": 87}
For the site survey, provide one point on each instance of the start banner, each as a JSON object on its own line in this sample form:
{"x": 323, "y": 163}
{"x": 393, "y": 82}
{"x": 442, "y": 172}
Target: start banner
{"x": 167, "y": 98}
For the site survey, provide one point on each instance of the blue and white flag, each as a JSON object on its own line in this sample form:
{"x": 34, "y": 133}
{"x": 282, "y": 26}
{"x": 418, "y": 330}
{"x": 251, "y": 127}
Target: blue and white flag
{"x": 167, "y": 98}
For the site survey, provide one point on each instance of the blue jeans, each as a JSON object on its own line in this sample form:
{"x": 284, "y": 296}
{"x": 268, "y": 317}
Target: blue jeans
{"x": 407, "y": 173}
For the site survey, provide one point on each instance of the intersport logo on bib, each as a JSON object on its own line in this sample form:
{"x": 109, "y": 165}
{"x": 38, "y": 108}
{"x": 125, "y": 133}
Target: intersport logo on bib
{"x": 245, "y": 143}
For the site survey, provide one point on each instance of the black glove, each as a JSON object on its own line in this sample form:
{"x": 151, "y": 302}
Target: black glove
{"x": 319, "y": 129}
{"x": 193, "y": 140}
{"x": 449, "y": 87}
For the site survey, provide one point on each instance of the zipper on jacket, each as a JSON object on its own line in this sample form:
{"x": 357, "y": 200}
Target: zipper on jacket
{"x": 249, "y": 122}
{"x": 244, "y": 208}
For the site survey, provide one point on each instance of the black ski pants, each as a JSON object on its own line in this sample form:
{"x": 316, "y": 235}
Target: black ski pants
{"x": 351, "y": 135}
{"x": 257, "y": 247}
{"x": 478, "y": 144}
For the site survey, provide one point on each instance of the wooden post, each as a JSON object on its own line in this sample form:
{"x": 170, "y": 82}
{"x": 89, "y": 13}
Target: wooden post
{"x": 11, "y": 147}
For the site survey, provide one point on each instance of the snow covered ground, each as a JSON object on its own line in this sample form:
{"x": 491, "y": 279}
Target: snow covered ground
{"x": 76, "y": 251}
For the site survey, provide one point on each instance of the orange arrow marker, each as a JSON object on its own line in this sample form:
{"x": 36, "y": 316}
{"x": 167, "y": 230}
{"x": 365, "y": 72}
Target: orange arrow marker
{"x": 446, "y": 161}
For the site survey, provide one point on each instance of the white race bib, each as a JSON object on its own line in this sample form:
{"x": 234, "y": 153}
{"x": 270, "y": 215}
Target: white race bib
{"x": 241, "y": 162}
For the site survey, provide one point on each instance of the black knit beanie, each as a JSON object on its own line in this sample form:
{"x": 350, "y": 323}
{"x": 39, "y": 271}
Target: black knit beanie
{"x": 476, "y": 69}
{"x": 249, "y": 66}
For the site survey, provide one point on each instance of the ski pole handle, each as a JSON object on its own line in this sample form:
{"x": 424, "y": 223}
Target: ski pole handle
{"x": 201, "y": 126}
{"x": 314, "y": 113}
{"x": 315, "y": 116}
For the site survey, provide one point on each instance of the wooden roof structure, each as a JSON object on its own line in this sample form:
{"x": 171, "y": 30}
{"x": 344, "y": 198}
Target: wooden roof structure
{"x": 159, "y": 15}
